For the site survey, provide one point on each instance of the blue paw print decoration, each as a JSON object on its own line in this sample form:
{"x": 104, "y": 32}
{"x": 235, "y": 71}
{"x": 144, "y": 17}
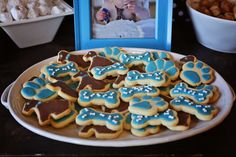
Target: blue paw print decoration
{"x": 195, "y": 73}
{"x": 163, "y": 65}
{"x": 160, "y": 55}
{"x": 35, "y": 89}
{"x": 111, "y": 53}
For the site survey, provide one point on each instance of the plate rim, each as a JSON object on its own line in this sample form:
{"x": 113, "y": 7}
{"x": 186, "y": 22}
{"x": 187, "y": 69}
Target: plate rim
{"x": 121, "y": 143}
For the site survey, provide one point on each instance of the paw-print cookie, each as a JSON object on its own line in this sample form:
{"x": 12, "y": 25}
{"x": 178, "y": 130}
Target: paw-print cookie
{"x": 200, "y": 96}
{"x": 163, "y": 65}
{"x": 110, "y": 99}
{"x": 147, "y": 105}
{"x": 195, "y": 73}
{"x": 112, "y": 53}
{"x": 161, "y": 55}
{"x": 88, "y": 116}
{"x": 202, "y": 112}
{"x": 128, "y": 93}
{"x": 166, "y": 118}
{"x": 35, "y": 89}
{"x": 156, "y": 79}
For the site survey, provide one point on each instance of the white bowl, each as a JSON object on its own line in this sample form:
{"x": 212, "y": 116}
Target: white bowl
{"x": 40, "y": 30}
{"x": 214, "y": 33}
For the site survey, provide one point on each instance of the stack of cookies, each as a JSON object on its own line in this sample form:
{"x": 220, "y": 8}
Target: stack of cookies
{"x": 110, "y": 91}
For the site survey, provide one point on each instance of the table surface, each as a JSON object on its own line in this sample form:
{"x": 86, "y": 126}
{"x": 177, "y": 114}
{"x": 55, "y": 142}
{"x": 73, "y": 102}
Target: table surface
{"x": 16, "y": 140}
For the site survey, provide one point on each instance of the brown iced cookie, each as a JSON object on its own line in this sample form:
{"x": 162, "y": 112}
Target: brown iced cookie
{"x": 100, "y": 132}
{"x": 96, "y": 60}
{"x": 184, "y": 122}
{"x": 187, "y": 59}
{"x": 122, "y": 108}
{"x": 88, "y": 82}
{"x": 55, "y": 109}
{"x": 119, "y": 82}
{"x": 78, "y": 59}
{"x": 63, "y": 90}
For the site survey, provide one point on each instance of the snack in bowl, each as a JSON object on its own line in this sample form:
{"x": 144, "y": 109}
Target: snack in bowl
{"x": 107, "y": 110}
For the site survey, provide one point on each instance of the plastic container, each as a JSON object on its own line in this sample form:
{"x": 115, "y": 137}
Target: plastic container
{"x": 40, "y": 30}
{"x": 214, "y": 33}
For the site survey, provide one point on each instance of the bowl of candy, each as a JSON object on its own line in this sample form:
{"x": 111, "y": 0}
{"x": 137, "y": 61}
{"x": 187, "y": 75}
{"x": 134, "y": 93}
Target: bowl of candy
{"x": 32, "y": 22}
{"x": 214, "y": 22}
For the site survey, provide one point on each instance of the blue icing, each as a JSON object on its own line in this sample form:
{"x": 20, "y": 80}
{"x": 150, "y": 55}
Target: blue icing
{"x": 112, "y": 53}
{"x": 36, "y": 89}
{"x": 206, "y": 77}
{"x": 192, "y": 76}
{"x": 146, "y": 128}
{"x": 198, "y": 95}
{"x": 87, "y": 114}
{"x": 142, "y": 105}
{"x": 199, "y": 65}
{"x": 167, "y": 115}
{"x": 128, "y": 118}
{"x": 74, "y": 85}
{"x": 159, "y": 55}
{"x": 57, "y": 70}
{"x": 131, "y": 58}
{"x": 206, "y": 70}
{"x": 72, "y": 113}
{"x": 135, "y": 76}
{"x": 99, "y": 71}
{"x": 189, "y": 65}
{"x": 110, "y": 97}
{"x": 201, "y": 109}
{"x": 127, "y": 92}
{"x": 167, "y": 66}
{"x": 208, "y": 87}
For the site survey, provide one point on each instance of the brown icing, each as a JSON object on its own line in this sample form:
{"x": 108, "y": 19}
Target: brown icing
{"x": 98, "y": 128}
{"x": 119, "y": 79}
{"x": 183, "y": 118}
{"x": 138, "y": 68}
{"x": 56, "y": 106}
{"x": 90, "y": 54}
{"x": 78, "y": 59}
{"x": 65, "y": 88}
{"x": 87, "y": 81}
{"x": 166, "y": 98}
{"x": 100, "y": 61}
{"x": 32, "y": 78}
{"x": 121, "y": 108}
{"x": 29, "y": 105}
{"x": 187, "y": 59}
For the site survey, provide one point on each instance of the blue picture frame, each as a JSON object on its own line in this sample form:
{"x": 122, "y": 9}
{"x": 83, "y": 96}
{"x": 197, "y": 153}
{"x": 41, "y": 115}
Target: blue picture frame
{"x": 162, "y": 40}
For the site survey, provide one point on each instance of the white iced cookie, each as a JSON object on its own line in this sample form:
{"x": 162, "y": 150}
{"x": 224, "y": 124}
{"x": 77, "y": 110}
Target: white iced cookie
{"x": 5, "y": 17}
{"x": 19, "y": 13}
{"x": 56, "y": 10}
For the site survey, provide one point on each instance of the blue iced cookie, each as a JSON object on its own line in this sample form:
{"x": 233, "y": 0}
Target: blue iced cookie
{"x": 110, "y": 99}
{"x": 202, "y": 112}
{"x": 112, "y": 53}
{"x": 127, "y": 121}
{"x": 127, "y": 93}
{"x": 55, "y": 70}
{"x": 160, "y": 55}
{"x": 163, "y": 65}
{"x": 200, "y": 96}
{"x": 149, "y": 130}
{"x": 88, "y": 116}
{"x": 195, "y": 73}
{"x": 156, "y": 79}
{"x": 135, "y": 59}
{"x": 214, "y": 89}
{"x": 35, "y": 89}
{"x": 166, "y": 118}
{"x": 147, "y": 105}
{"x": 101, "y": 72}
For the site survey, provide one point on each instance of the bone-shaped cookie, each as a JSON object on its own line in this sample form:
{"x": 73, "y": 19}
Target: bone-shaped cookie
{"x": 184, "y": 122}
{"x": 122, "y": 108}
{"x": 127, "y": 93}
{"x": 35, "y": 89}
{"x": 202, "y": 112}
{"x": 63, "y": 90}
{"x": 110, "y": 99}
{"x": 88, "y": 116}
{"x": 200, "y": 96}
{"x": 135, "y": 59}
{"x": 59, "y": 70}
{"x": 55, "y": 109}
{"x": 155, "y": 79}
{"x": 214, "y": 89}
{"x": 147, "y": 105}
{"x": 88, "y": 82}
{"x": 166, "y": 118}
{"x": 78, "y": 59}
{"x": 101, "y": 72}
{"x": 100, "y": 132}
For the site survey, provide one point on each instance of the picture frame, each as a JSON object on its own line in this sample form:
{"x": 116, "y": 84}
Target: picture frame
{"x": 83, "y": 29}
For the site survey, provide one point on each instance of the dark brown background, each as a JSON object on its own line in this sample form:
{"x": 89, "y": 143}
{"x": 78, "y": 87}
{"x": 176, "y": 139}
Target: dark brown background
{"x": 16, "y": 140}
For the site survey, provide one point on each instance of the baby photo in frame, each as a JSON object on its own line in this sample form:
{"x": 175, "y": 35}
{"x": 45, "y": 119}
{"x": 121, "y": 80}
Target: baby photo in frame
{"x": 126, "y": 23}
